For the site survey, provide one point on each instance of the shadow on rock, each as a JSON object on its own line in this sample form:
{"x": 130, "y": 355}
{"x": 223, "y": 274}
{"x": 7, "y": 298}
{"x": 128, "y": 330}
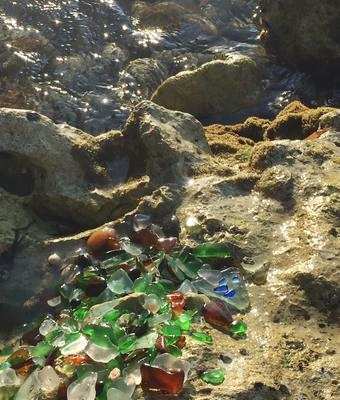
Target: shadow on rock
{"x": 322, "y": 294}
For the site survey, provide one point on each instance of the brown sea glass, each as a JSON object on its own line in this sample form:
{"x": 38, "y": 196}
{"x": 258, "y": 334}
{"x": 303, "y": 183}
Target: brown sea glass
{"x": 166, "y": 380}
{"x": 217, "y": 313}
{"x": 166, "y": 244}
{"x": 21, "y": 361}
{"x": 102, "y": 241}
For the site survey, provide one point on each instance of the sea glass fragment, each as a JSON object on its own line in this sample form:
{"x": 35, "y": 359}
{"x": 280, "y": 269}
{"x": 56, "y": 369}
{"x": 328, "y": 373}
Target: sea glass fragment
{"x": 130, "y": 247}
{"x": 42, "y": 349}
{"x": 54, "y": 302}
{"x": 120, "y": 389}
{"x": 238, "y": 328}
{"x": 157, "y": 378}
{"x": 230, "y": 294}
{"x": 101, "y": 241}
{"x": 8, "y": 377}
{"x": 215, "y": 376}
{"x": 175, "y": 264}
{"x": 146, "y": 237}
{"x": 112, "y": 315}
{"x": 92, "y": 285}
{"x": 20, "y": 360}
{"x": 47, "y": 326}
{"x": 184, "y": 320}
{"x": 192, "y": 225}
{"x": 115, "y": 261}
{"x": 171, "y": 329}
{"x": 147, "y": 341}
{"x": 74, "y": 344}
{"x": 83, "y": 388}
{"x": 47, "y": 380}
{"x": 141, "y": 221}
{"x": 237, "y": 295}
{"x": 158, "y": 319}
{"x": 127, "y": 343}
{"x": 202, "y": 337}
{"x": 103, "y": 352}
{"x": 211, "y": 250}
{"x": 174, "y": 350}
{"x": 80, "y": 313}
{"x": 31, "y": 337}
{"x": 210, "y": 275}
{"x": 152, "y": 303}
{"x": 115, "y": 394}
{"x": 217, "y": 313}
{"x": 120, "y": 282}
{"x": 168, "y": 361}
{"x": 25, "y": 389}
{"x": 187, "y": 287}
{"x": 166, "y": 244}
{"x": 97, "y": 311}
{"x": 177, "y": 302}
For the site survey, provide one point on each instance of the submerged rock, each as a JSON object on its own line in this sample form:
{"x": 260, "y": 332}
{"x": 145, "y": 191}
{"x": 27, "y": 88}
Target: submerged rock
{"x": 305, "y": 34}
{"x": 221, "y": 86}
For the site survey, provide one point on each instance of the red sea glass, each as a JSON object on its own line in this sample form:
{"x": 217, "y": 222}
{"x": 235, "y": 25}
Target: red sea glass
{"x": 217, "y": 313}
{"x": 166, "y": 380}
{"x": 177, "y": 302}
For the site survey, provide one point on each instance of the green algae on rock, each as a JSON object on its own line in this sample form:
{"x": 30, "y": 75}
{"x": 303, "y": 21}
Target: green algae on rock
{"x": 220, "y": 86}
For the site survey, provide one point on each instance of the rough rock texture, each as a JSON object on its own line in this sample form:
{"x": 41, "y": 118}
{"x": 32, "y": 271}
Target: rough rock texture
{"x": 295, "y": 121}
{"x": 279, "y": 214}
{"x": 167, "y": 142}
{"x": 304, "y": 33}
{"x": 147, "y": 74}
{"x": 221, "y": 86}
{"x": 56, "y": 180}
{"x": 60, "y": 170}
{"x": 252, "y": 128}
{"x": 169, "y": 15}
{"x": 278, "y": 211}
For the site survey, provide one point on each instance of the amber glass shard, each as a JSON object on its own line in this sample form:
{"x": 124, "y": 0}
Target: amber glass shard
{"x": 217, "y": 313}
{"x": 166, "y": 380}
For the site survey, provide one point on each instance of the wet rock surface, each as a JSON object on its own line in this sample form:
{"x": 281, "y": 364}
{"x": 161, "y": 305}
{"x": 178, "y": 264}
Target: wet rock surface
{"x": 277, "y": 209}
{"x": 222, "y": 86}
{"x": 302, "y": 35}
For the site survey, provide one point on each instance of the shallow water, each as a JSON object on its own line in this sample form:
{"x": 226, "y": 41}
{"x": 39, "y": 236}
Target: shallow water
{"x": 88, "y": 62}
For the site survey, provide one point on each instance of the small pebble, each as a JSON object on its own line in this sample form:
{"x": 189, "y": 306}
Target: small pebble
{"x": 114, "y": 374}
{"x": 244, "y": 352}
{"x": 54, "y": 302}
{"x": 54, "y": 260}
{"x": 226, "y": 358}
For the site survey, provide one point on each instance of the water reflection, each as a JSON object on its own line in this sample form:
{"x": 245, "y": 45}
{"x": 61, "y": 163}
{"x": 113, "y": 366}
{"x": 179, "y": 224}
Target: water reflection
{"x": 88, "y": 62}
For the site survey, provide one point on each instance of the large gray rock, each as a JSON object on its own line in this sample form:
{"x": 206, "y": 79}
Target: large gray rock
{"x": 61, "y": 173}
{"x": 280, "y": 217}
{"x": 304, "y": 33}
{"x": 166, "y": 143}
{"x": 221, "y": 86}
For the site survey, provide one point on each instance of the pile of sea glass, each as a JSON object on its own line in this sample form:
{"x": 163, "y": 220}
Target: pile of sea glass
{"x": 121, "y": 319}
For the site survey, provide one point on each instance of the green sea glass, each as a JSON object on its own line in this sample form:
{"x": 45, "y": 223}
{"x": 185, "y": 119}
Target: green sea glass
{"x": 211, "y": 250}
{"x": 171, "y": 329}
{"x": 215, "y": 376}
{"x": 238, "y": 328}
{"x": 202, "y": 337}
